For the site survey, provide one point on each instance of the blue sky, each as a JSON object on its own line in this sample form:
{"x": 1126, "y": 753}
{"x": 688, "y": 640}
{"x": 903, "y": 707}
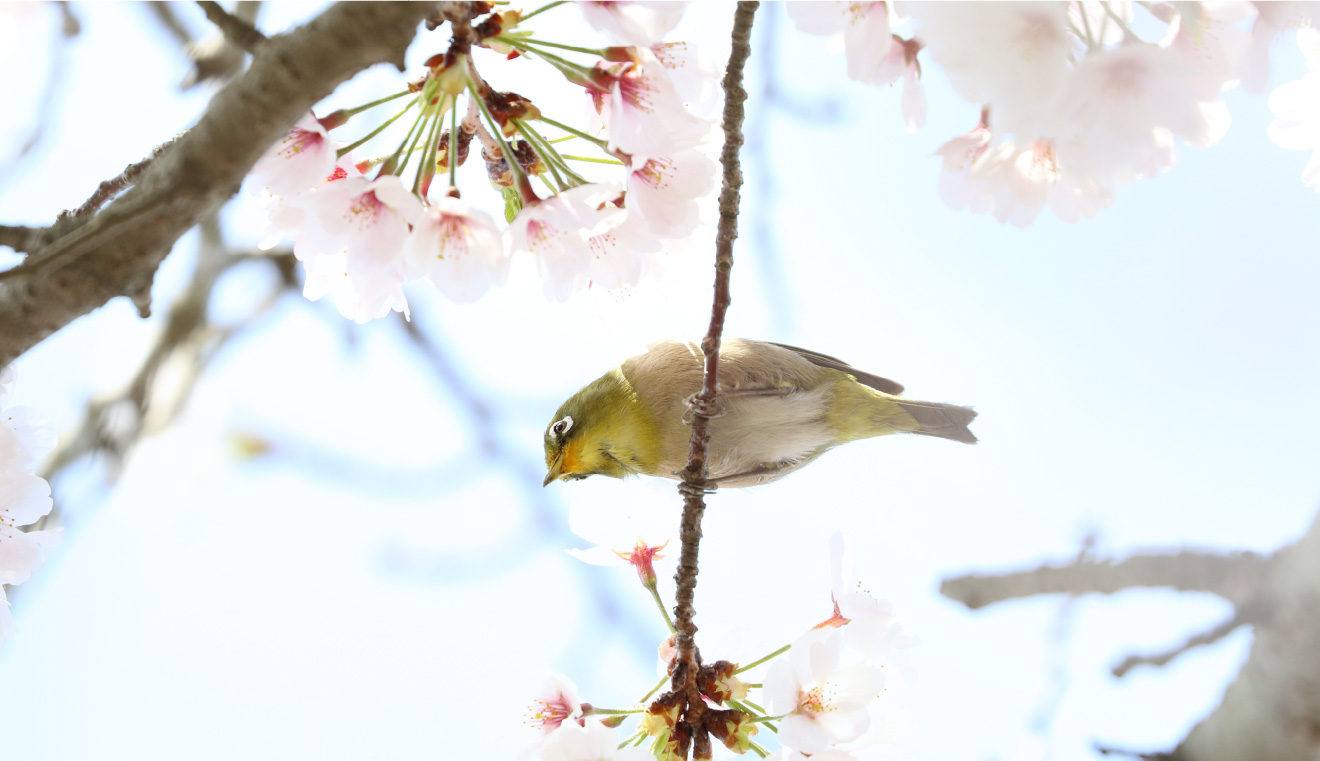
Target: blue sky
{"x": 378, "y": 583}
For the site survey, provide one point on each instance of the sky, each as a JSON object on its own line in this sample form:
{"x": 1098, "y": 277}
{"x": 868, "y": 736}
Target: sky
{"x": 390, "y": 578}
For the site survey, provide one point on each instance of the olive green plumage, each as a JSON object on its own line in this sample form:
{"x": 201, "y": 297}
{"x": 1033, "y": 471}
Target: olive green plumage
{"x": 780, "y": 408}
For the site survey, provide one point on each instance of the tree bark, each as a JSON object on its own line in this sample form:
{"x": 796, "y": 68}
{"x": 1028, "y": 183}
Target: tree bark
{"x": 82, "y": 264}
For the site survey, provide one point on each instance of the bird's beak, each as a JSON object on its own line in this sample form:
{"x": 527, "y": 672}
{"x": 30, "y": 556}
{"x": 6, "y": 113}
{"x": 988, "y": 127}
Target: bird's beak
{"x": 556, "y": 469}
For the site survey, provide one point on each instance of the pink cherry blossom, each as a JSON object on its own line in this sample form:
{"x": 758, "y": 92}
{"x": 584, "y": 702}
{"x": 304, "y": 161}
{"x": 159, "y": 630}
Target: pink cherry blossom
{"x": 633, "y": 23}
{"x": 663, "y": 192}
{"x": 642, "y": 112}
{"x": 866, "y": 36}
{"x": 352, "y": 245}
{"x": 556, "y": 232}
{"x": 458, "y": 249}
{"x": 1106, "y": 122}
{"x": 556, "y": 703}
{"x": 300, "y": 160}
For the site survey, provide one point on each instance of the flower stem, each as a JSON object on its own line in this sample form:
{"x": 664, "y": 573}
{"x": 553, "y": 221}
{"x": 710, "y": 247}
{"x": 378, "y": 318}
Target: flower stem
{"x": 347, "y": 112}
{"x": 452, "y": 157}
{"x": 615, "y": 162}
{"x": 519, "y": 176}
{"x": 420, "y": 127}
{"x": 546, "y": 43}
{"x": 574, "y": 132}
{"x": 655, "y": 595}
{"x": 426, "y": 172}
{"x": 614, "y": 711}
{"x": 759, "y": 661}
{"x": 542, "y": 9}
{"x": 575, "y": 72}
{"x": 758, "y": 750}
{"x": 654, "y": 689}
{"x": 345, "y": 150}
{"x": 547, "y": 152}
{"x": 632, "y": 738}
{"x": 545, "y": 156}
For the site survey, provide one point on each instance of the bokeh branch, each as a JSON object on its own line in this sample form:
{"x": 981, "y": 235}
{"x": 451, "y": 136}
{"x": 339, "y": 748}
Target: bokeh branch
{"x": 1272, "y": 709}
{"x": 1233, "y": 577}
{"x": 704, "y": 403}
{"x": 116, "y": 252}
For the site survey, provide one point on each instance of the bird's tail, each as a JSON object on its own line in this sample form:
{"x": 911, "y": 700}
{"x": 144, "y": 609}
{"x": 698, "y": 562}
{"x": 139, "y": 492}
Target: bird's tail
{"x": 947, "y": 421}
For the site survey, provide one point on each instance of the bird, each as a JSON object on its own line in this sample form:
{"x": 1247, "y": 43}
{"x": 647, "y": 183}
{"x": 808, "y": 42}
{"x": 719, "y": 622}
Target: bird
{"x": 778, "y": 408}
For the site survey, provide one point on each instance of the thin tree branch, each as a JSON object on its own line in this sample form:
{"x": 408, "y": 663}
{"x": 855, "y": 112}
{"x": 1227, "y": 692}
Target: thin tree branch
{"x": 1208, "y": 637}
{"x": 120, "y": 247}
{"x": 1235, "y": 577}
{"x": 704, "y": 403}
{"x": 235, "y": 29}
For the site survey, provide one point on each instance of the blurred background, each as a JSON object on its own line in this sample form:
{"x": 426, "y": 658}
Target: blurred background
{"x": 330, "y": 541}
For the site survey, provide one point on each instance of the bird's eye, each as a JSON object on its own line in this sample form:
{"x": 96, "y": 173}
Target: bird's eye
{"x": 561, "y": 427}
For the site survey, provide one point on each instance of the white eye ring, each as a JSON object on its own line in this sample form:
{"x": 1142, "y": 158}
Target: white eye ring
{"x": 562, "y": 427}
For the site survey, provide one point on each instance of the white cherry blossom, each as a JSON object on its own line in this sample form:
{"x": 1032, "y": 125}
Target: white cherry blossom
{"x": 694, "y": 73}
{"x": 592, "y": 741}
{"x": 299, "y": 161}
{"x": 1271, "y": 19}
{"x": 664, "y": 191}
{"x": 1015, "y": 57}
{"x": 1296, "y": 107}
{"x": 866, "y": 37}
{"x": 621, "y": 255}
{"x": 25, "y": 438}
{"x": 556, "y": 232}
{"x": 822, "y": 691}
{"x": 633, "y": 23}
{"x": 458, "y": 249}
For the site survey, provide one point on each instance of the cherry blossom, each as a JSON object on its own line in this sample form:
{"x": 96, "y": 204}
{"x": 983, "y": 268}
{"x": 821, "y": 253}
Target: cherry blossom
{"x": 557, "y": 702}
{"x": 621, "y": 255}
{"x": 822, "y": 692}
{"x": 635, "y": 534}
{"x": 641, "y": 110}
{"x": 693, "y": 73}
{"x": 591, "y": 741}
{"x": 1296, "y": 107}
{"x": 556, "y": 232}
{"x": 25, "y": 438}
{"x": 866, "y": 37}
{"x": 352, "y": 244}
{"x": 299, "y": 161}
{"x": 458, "y": 249}
{"x": 1106, "y": 122}
{"x": 1013, "y": 56}
{"x": 664, "y": 191}
{"x": 788, "y": 754}
{"x": 1271, "y": 19}
{"x": 633, "y": 23}
{"x": 870, "y": 626}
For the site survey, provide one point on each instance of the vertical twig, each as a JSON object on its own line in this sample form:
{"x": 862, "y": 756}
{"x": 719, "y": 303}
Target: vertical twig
{"x": 704, "y": 402}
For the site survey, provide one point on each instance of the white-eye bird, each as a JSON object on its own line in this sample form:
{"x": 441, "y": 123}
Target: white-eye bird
{"x": 779, "y": 408}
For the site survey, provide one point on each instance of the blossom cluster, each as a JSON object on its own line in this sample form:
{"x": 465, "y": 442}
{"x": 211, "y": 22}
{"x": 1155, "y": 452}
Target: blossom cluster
{"x": 362, "y": 229}
{"x": 1073, "y": 102}
{"x": 25, "y": 437}
{"x": 829, "y": 693}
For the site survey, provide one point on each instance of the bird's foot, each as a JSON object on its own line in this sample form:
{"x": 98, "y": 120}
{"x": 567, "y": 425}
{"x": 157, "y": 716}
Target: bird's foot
{"x": 699, "y": 405}
{"x": 699, "y": 489}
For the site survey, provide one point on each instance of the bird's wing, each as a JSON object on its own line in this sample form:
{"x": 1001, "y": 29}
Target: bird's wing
{"x": 824, "y": 360}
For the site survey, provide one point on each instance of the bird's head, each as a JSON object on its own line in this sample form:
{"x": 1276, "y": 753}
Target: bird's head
{"x": 600, "y": 430}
